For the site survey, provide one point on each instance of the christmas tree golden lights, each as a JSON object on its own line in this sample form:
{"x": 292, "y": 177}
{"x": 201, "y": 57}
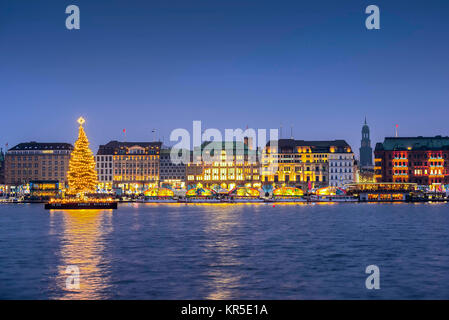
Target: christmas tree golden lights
{"x": 82, "y": 176}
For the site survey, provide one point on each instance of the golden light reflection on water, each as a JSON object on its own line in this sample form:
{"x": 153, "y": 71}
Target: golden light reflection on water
{"x": 82, "y": 245}
{"x": 220, "y": 222}
{"x": 219, "y": 226}
{"x": 84, "y": 235}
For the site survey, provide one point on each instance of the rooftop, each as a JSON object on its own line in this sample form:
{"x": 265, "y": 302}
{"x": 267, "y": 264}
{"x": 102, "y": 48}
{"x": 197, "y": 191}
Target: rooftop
{"x": 414, "y": 143}
{"x": 42, "y": 146}
{"x": 288, "y": 145}
{"x": 227, "y": 145}
{"x": 114, "y": 146}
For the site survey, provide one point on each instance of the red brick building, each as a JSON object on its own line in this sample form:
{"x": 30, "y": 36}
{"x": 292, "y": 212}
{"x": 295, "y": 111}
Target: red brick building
{"x": 421, "y": 160}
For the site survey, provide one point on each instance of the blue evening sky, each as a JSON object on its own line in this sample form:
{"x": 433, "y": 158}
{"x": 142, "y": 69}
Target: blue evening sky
{"x": 150, "y": 64}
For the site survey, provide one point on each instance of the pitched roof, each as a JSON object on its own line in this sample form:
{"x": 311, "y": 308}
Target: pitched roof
{"x": 414, "y": 143}
{"x": 237, "y": 148}
{"x": 42, "y": 146}
{"x": 316, "y": 146}
{"x": 113, "y": 146}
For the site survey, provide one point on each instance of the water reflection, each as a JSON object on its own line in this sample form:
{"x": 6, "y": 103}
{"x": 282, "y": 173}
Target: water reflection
{"x": 82, "y": 245}
{"x": 220, "y": 227}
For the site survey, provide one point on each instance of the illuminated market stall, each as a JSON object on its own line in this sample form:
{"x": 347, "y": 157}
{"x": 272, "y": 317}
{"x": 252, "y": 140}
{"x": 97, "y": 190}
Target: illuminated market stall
{"x": 283, "y": 194}
{"x": 44, "y": 190}
{"x": 201, "y": 194}
{"x": 244, "y": 194}
{"x": 332, "y": 194}
{"x": 159, "y": 193}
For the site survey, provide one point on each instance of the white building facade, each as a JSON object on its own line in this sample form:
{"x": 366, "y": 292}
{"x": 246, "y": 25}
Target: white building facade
{"x": 104, "y": 166}
{"x": 341, "y": 169}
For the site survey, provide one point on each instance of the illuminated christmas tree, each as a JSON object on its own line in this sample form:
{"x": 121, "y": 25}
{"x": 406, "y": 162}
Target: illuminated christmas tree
{"x": 82, "y": 176}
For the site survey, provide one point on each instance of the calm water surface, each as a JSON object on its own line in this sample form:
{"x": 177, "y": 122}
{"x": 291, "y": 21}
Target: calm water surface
{"x": 219, "y": 251}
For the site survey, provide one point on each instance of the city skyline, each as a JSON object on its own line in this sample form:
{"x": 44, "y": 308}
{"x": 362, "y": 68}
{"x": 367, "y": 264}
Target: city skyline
{"x": 224, "y": 157}
{"x": 285, "y": 136}
{"x": 161, "y": 67}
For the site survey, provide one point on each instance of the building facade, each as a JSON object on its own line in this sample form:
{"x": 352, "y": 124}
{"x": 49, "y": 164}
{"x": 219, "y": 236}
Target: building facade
{"x": 33, "y": 161}
{"x": 307, "y": 164}
{"x": 135, "y": 165}
{"x": 421, "y": 160}
{"x": 171, "y": 173}
{"x": 2, "y": 169}
{"x": 366, "y": 152}
{"x": 342, "y": 167}
{"x": 224, "y": 164}
{"x": 105, "y": 170}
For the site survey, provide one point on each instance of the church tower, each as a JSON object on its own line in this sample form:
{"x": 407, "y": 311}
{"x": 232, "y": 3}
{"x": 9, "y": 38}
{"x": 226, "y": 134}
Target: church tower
{"x": 366, "y": 152}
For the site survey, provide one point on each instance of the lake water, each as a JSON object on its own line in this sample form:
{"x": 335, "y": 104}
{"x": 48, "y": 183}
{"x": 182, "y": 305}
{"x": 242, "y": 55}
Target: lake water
{"x": 223, "y": 251}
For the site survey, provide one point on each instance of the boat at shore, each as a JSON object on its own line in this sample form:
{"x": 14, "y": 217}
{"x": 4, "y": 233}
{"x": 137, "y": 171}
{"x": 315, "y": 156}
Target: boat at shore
{"x": 9, "y": 200}
{"x": 201, "y": 200}
{"x": 242, "y": 200}
{"x": 286, "y": 199}
{"x": 335, "y": 198}
{"x": 381, "y": 191}
{"x": 157, "y": 200}
{"x": 81, "y": 205}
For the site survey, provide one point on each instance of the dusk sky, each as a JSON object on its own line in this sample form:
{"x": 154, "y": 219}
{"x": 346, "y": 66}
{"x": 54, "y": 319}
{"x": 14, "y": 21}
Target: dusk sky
{"x": 149, "y": 64}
